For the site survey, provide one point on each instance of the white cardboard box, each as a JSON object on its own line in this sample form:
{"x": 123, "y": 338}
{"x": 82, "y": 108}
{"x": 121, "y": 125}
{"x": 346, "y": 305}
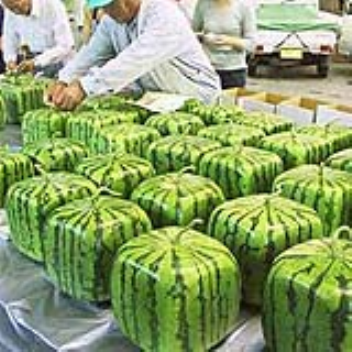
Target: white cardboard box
{"x": 301, "y": 110}
{"x": 234, "y": 96}
{"x": 266, "y": 102}
{"x": 342, "y": 114}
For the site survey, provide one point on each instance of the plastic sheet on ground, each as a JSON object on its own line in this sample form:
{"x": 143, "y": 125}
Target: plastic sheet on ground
{"x": 35, "y": 317}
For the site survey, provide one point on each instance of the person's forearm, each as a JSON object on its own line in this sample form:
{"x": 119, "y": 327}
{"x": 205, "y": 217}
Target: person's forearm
{"x": 9, "y": 48}
{"x": 53, "y": 55}
{"x": 142, "y": 56}
{"x": 237, "y": 43}
{"x": 250, "y": 29}
{"x": 84, "y": 61}
{"x": 127, "y": 67}
{"x": 95, "y": 53}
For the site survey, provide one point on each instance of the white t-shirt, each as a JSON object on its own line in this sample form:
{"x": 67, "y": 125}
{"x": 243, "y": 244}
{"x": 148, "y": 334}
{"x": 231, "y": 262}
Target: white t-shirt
{"x": 237, "y": 18}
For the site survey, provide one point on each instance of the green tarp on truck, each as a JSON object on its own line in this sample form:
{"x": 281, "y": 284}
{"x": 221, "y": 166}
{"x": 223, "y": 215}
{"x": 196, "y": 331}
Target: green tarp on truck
{"x": 290, "y": 17}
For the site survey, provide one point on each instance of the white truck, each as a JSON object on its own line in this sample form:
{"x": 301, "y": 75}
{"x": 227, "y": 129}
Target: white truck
{"x": 345, "y": 39}
{"x": 294, "y": 32}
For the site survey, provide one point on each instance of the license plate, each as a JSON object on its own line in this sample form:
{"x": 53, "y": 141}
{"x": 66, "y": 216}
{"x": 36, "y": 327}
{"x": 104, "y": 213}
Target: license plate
{"x": 291, "y": 53}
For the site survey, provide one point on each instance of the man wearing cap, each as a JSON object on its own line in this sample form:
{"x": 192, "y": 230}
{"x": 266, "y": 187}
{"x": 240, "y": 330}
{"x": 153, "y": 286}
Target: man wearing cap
{"x": 143, "y": 44}
{"x": 36, "y": 36}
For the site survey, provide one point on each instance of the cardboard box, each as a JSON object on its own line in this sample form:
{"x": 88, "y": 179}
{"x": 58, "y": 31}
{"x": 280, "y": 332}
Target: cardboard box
{"x": 342, "y": 114}
{"x": 234, "y": 96}
{"x": 265, "y": 102}
{"x": 301, "y": 110}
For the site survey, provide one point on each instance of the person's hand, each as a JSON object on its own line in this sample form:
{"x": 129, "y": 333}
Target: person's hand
{"x": 67, "y": 97}
{"x": 223, "y": 40}
{"x": 212, "y": 38}
{"x": 26, "y": 66}
{"x": 235, "y": 42}
{"x": 54, "y": 90}
{"x": 11, "y": 66}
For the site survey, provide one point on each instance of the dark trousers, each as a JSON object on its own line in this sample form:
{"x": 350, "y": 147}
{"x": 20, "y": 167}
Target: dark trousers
{"x": 2, "y": 64}
{"x": 232, "y": 78}
{"x": 50, "y": 70}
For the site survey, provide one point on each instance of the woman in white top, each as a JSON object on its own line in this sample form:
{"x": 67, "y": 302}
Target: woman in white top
{"x": 227, "y": 30}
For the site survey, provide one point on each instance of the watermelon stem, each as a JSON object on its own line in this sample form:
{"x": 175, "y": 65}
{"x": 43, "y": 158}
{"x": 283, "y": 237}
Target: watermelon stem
{"x": 185, "y": 169}
{"x": 108, "y": 191}
{"x": 116, "y": 156}
{"x": 330, "y": 124}
{"x": 279, "y": 190}
{"x": 94, "y": 199}
{"x": 55, "y": 136}
{"x": 41, "y": 169}
{"x": 187, "y": 130}
{"x": 228, "y": 120}
{"x": 239, "y": 149}
{"x": 341, "y": 231}
{"x": 294, "y": 134}
{"x": 185, "y": 229}
{"x": 270, "y": 197}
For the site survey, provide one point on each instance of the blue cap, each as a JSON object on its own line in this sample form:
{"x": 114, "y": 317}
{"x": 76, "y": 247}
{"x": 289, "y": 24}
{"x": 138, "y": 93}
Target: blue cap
{"x": 98, "y": 3}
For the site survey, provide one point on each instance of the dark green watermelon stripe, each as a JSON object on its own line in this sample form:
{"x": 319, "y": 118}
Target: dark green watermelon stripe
{"x": 292, "y": 303}
{"x": 182, "y": 332}
{"x": 229, "y": 237}
{"x": 211, "y": 294}
{"x": 134, "y": 329}
{"x": 270, "y": 307}
{"x": 296, "y": 217}
{"x": 99, "y": 240}
{"x": 311, "y": 302}
{"x": 66, "y": 248}
{"x": 153, "y": 208}
{"x": 154, "y": 316}
{"x": 341, "y": 315}
{"x": 219, "y": 296}
{"x": 202, "y": 299}
{"x": 27, "y": 218}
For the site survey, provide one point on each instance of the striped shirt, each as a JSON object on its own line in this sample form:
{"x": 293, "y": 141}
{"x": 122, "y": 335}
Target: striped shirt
{"x": 156, "y": 51}
{"x": 46, "y": 30}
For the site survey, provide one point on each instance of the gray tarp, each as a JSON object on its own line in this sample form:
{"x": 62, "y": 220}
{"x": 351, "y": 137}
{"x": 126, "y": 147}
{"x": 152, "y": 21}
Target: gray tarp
{"x": 35, "y": 317}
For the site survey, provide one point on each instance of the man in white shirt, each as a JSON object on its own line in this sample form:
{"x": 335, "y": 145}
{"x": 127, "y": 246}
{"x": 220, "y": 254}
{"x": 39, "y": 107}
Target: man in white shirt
{"x": 147, "y": 44}
{"x": 42, "y": 28}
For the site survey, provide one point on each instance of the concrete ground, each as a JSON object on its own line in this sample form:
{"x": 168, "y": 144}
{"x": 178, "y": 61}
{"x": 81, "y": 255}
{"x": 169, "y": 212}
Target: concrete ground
{"x": 303, "y": 81}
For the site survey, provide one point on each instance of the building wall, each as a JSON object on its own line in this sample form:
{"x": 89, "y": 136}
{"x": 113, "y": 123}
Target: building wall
{"x": 334, "y": 6}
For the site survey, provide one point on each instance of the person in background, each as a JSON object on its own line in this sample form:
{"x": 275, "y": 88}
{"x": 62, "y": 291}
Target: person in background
{"x": 37, "y": 36}
{"x": 2, "y": 63}
{"x": 187, "y": 6}
{"x": 83, "y": 20}
{"x": 138, "y": 44}
{"x": 90, "y": 22}
{"x": 227, "y": 30}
